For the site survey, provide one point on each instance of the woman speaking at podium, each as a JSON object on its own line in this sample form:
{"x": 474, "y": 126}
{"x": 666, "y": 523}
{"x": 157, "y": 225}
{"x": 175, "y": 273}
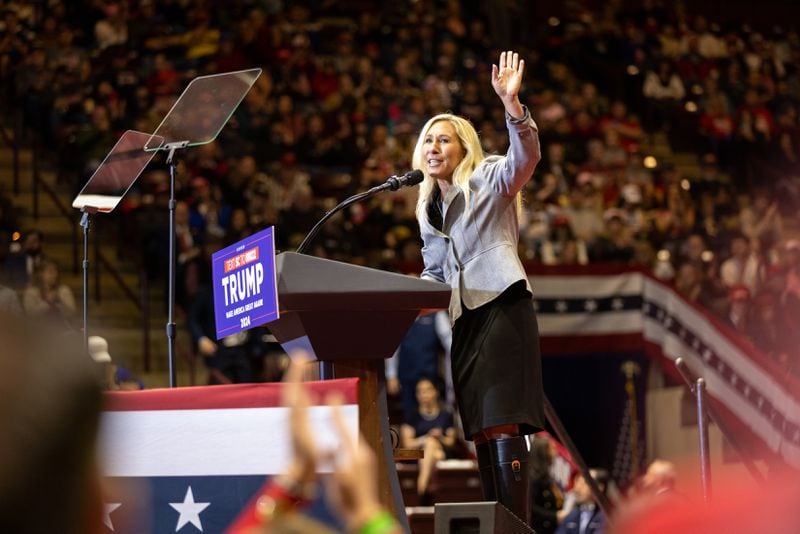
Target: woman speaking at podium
{"x": 468, "y": 212}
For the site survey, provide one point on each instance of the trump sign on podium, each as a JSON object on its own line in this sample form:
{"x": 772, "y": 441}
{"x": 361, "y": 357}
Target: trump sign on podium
{"x": 245, "y": 284}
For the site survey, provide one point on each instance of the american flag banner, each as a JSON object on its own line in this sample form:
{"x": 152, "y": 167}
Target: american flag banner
{"x": 189, "y": 459}
{"x": 581, "y": 309}
{"x": 629, "y": 454}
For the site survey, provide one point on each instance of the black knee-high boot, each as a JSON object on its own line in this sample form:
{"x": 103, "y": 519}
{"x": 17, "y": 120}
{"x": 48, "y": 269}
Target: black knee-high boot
{"x": 486, "y": 470}
{"x": 510, "y": 470}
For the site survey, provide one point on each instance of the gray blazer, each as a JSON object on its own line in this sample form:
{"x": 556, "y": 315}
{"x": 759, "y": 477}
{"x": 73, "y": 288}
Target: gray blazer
{"x": 476, "y": 253}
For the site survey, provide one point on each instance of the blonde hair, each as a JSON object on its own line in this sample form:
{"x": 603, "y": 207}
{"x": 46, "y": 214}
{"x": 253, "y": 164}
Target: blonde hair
{"x": 473, "y": 156}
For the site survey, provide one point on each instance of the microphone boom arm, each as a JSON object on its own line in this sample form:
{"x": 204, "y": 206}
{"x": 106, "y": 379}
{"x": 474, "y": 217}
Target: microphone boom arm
{"x": 393, "y": 183}
{"x": 317, "y": 227}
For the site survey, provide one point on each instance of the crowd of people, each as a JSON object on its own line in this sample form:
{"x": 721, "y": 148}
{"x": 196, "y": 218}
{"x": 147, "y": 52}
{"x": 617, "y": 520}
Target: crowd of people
{"x": 344, "y": 91}
{"x": 32, "y": 282}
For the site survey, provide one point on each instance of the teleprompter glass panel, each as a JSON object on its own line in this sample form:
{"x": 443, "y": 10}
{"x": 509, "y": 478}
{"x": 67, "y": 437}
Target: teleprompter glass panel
{"x": 117, "y": 173}
{"x": 203, "y": 109}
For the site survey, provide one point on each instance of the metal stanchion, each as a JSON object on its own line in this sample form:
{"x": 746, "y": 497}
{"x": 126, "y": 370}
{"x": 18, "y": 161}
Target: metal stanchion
{"x": 706, "y": 411}
{"x": 702, "y": 427}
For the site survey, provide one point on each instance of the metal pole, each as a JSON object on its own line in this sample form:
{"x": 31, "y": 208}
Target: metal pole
{"x": 171, "y": 328}
{"x": 173, "y": 375}
{"x": 712, "y": 414}
{"x": 326, "y": 371}
{"x": 15, "y": 144}
{"x": 702, "y": 427}
{"x": 97, "y": 265}
{"x": 85, "y": 224}
{"x": 145, "y": 300}
{"x": 35, "y": 181}
{"x": 561, "y": 432}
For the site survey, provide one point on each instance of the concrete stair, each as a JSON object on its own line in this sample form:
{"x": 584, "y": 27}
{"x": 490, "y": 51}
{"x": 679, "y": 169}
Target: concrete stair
{"x": 657, "y": 145}
{"x": 115, "y": 316}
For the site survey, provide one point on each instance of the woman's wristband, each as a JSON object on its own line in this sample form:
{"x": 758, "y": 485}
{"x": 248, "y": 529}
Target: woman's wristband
{"x": 381, "y": 523}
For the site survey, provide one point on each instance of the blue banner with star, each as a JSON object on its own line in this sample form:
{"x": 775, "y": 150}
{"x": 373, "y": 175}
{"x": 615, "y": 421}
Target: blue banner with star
{"x": 191, "y": 459}
{"x": 165, "y": 505}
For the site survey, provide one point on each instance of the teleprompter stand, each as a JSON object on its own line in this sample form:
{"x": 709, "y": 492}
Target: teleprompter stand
{"x": 104, "y": 190}
{"x": 196, "y": 118}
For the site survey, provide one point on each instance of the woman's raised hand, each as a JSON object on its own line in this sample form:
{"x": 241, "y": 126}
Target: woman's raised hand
{"x": 507, "y": 76}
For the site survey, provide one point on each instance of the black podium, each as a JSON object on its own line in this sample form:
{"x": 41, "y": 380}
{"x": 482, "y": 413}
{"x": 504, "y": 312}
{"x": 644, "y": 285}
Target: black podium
{"x": 354, "y": 317}
{"x": 477, "y": 518}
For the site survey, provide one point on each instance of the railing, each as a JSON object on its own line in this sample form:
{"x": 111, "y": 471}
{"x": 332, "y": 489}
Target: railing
{"x": 140, "y": 301}
{"x": 62, "y": 210}
{"x": 12, "y": 140}
{"x": 706, "y": 410}
{"x": 599, "y": 496}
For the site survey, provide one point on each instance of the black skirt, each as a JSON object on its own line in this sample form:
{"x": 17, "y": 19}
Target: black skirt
{"x": 496, "y": 364}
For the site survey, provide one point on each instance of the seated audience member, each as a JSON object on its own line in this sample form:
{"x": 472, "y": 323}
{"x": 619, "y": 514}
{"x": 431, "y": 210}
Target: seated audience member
{"x": 761, "y": 221}
{"x": 743, "y": 266}
{"x": 430, "y": 428}
{"x": 784, "y": 283}
{"x": 616, "y": 245}
{"x": 626, "y": 127}
{"x": 47, "y": 296}
{"x": 24, "y": 259}
{"x": 417, "y": 357}
{"x": 660, "y": 480}
{"x": 689, "y": 280}
{"x": 663, "y": 90}
{"x": 562, "y": 247}
{"x": 50, "y": 404}
{"x": 765, "y": 328}
{"x": 739, "y": 308}
{"x": 114, "y": 377}
{"x": 586, "y": 517}
{"x": 547, "y": 499}
{"x": 229, "y": 360}
{"x": 352, "y": 489}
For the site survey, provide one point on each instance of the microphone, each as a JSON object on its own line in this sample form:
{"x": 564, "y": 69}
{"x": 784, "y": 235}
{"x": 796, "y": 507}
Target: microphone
{"x": 393, "y": 183}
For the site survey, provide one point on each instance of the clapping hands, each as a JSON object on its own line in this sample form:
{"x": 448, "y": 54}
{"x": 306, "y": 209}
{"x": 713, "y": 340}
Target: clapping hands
{"x": 352, "y": 489}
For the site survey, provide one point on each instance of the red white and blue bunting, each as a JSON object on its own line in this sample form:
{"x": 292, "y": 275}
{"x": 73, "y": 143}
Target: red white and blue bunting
{"x": 587, "y": 310}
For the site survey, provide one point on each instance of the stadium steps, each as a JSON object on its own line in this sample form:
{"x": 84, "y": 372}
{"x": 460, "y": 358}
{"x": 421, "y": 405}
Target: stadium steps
{"x": 657, "y": 145}
{"x": 115, "y": 317}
